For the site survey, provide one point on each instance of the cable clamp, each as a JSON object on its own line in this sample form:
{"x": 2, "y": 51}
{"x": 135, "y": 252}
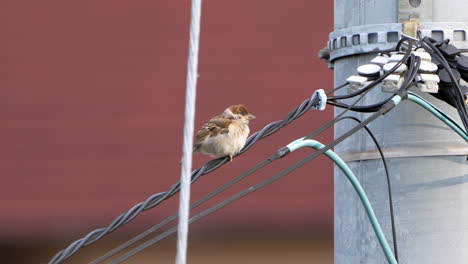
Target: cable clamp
{"x": 320, "y": 93}
{"x": 280, "y": 153}
{"x": 392, "y": 83}
{"x": 428, "y": 83}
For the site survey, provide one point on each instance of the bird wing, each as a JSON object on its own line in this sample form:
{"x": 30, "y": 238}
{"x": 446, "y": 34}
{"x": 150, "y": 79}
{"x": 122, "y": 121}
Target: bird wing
{"x": 216, "y": 126}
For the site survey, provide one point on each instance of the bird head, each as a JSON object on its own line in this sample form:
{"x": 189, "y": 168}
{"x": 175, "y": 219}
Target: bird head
{"x": 239, "y": 112}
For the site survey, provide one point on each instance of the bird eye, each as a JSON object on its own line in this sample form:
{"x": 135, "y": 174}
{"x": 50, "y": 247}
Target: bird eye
{"x": 243, "y": 113}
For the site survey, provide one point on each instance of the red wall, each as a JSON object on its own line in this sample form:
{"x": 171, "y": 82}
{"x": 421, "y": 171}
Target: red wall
{"x": 92, "y": 101}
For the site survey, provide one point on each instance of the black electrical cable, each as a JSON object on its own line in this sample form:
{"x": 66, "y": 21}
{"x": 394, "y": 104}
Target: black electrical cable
{"x": 361, "y": 109}
{"x": 348, "y": 108}
{"x": 196, "y": 174}
{"x": 412, "y": 72}
{"x": 440, "y": 57}
{"x": 365, "y": 90}
{"x": 389, "y": 185}
{"x": 329, "y": 124}
{"x": 387, "y": 107}
{"x": 382, "y": 77}
{"x": 237, "y": 179}
{"x": 332, "y": 122}
{"x": 337, "y": 88}
{"x": 133, "y": 240}
{"x": 460, "y": 101}
{"x": 277, "y": 155}
{"x": 209, "y": 167}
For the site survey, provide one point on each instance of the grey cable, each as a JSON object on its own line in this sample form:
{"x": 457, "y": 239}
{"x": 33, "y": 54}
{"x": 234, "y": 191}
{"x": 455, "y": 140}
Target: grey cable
{"x": 207, "y": 168}
{"x": 173, "y": 217}
{"x": 158, "y": 198}
{"x": 194, "y": 205}
{"x": 360, "y": 98}
{"x": 277, "y": 155}
{"x": 387, "y": 107}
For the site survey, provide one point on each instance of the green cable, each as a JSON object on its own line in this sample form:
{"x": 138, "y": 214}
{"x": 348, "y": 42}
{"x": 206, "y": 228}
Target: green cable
{"x": 357, "y": 186}
{"x": 436, "y": 112}
{"x": 440, "y": 111}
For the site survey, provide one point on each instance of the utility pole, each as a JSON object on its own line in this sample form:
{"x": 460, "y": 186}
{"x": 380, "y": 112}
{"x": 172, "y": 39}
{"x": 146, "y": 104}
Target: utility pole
{"x": 427, "y": 161}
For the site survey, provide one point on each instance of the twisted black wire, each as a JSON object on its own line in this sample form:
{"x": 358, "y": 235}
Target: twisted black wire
{"x": 386, "y": 108}
{"x": 156, "y": 199}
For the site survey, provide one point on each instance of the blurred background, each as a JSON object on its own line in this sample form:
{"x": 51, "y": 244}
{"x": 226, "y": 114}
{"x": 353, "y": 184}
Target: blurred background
{"x": 92, "y": 102}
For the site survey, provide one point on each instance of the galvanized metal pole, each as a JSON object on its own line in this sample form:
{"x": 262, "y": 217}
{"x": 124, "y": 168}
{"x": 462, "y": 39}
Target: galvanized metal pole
{"x": 427, "y": 161}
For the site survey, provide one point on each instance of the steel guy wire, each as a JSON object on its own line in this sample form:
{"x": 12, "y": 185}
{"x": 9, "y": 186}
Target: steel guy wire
{"x": 187, "y": 147}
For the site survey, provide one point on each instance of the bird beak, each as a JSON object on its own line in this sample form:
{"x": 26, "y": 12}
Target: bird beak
{"x": 251, "y": 117}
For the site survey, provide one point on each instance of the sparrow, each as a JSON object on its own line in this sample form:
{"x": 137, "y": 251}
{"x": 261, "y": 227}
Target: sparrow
{"x": 226, "y": 134}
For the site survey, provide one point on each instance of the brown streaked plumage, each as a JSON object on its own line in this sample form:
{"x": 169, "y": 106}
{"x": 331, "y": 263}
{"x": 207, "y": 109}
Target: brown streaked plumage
{"x": 226, "y": 134}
